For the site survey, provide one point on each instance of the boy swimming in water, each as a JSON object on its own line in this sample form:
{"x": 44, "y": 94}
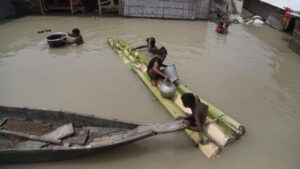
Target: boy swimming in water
{"x": 154, "y": 65}
{"x": 78, "y": 38}
{"x": 150, "y": 45}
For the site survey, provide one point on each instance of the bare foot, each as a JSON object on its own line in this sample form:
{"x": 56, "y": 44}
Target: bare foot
{"x": 180, "y": 118}
{"x": 153, "y": 83}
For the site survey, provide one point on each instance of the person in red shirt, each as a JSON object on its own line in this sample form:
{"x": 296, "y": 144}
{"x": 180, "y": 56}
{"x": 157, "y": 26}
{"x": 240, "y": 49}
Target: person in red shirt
{"x": 220, "y": 27}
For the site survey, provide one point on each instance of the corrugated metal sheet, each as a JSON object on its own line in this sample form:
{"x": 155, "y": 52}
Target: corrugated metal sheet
{"x": 262, "y": 9}
{"x": 293, "y": 4}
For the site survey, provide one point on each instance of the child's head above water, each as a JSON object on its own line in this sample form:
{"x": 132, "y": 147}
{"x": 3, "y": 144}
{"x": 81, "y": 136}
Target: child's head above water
{"x": 151, "y": 40}
{"x": 76, "y": 31}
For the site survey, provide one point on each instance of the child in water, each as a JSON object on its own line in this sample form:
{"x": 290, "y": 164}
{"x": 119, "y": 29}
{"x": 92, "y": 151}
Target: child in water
{"x": 154, "y": 65}
{"x": 150, "y": 45}
{"x": 222, "y": 27}
{"x": 78, "y": 38}
{"x": 225, "y": 30}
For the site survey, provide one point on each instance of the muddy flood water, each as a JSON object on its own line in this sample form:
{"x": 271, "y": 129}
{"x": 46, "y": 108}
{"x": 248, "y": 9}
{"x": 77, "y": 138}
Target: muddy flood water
{"x": 250, "y": 74}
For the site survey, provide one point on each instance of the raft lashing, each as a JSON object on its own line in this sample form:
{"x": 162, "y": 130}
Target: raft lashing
{"x": 219, "y": 130}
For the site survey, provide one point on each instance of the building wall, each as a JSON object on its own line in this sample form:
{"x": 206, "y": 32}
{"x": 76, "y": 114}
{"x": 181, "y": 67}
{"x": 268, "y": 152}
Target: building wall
{"x": 176, "y": 9}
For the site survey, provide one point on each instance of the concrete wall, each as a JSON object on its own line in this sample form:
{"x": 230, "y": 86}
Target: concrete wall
{"x": 176, "y": 9}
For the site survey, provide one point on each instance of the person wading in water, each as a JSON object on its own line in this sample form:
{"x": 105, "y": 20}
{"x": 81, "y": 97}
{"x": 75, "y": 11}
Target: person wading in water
{"x": 78, "y": 38}
{"x": 150, "y": 45}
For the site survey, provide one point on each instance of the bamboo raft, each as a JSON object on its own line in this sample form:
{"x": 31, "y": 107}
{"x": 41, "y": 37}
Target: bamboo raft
{"x": 219, "y": 131}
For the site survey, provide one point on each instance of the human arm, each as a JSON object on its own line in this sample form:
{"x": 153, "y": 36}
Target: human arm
{"x": 156, "y": 70}
{"x": 139, "y": 47}
{"x": 71, "y": 34}
{"x": 187, "y": 114}
{"x": 68, "y": 42}
{"x": 77, "y": 40}
{"x": 198, "y": 126}
{"x": 163, "y": 65}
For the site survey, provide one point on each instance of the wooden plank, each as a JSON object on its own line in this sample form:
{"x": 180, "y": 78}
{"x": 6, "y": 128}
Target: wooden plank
{"x": 29, "y": 136}
{"x": 72, "y": 8}
{"x": 60, "y": 132}
{"x": 120, "y": 9}
{"x": 3, "y": 121}
{"x": 41, "y": 6}
{"x": 80, "y": 137}
{"x": 99, "y": 7}
{"x": 168, "y": 127}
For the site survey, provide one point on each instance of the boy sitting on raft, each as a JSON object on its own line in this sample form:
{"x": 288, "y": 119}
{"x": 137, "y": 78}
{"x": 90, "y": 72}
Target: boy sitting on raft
{"x": 150, "y": 45}
{"x": 78, "y": 38}
{"x": 154, "y": 65}
{"x": 196, "y": 120}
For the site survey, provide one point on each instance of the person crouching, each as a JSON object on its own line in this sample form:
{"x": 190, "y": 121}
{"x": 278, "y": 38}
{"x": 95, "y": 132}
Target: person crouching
{"x": 154, "y": 65}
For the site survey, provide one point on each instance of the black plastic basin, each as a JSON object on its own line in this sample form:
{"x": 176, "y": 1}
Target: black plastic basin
{"x": 54, "y": 40}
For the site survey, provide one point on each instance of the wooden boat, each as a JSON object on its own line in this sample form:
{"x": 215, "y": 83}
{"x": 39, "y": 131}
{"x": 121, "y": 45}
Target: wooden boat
{"x": 32, "y": 135}
{"x": 220, "y": 130}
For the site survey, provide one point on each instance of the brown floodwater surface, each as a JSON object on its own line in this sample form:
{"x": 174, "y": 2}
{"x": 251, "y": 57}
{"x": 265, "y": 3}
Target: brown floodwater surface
{"x": 250, "y": 74}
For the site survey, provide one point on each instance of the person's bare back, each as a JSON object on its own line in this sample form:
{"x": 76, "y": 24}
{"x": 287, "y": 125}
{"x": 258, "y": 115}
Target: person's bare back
{"x": 196, "y": 120}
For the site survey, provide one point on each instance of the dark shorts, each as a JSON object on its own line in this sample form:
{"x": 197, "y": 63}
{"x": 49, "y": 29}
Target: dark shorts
{"x": 148, "y": 72}
{"x": 157, "y": 75}
{"x": 192, "y": 121}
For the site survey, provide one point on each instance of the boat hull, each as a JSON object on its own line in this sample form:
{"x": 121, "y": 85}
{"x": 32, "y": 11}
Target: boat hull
{"x": 103, "y": 134}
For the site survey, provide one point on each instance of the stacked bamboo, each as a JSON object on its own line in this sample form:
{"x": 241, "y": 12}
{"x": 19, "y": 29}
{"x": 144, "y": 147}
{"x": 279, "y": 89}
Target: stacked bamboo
{"x": 219, "y": 130}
